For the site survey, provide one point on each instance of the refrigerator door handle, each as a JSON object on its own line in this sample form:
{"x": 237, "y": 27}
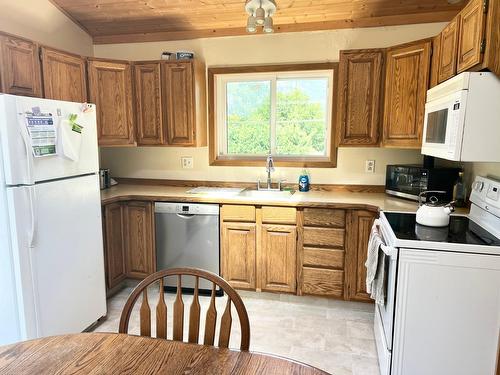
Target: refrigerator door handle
{"x": 27, "y": 147}
{"x": 32, "y": 199}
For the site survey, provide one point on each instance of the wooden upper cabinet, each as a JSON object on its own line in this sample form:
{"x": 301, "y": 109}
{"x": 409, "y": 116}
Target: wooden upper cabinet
{"x": 64, "y": 76}
{"x": 448, "y": 51}
{"x": 110, "y": 88}
{"x": 184, "y": 91}
{"x": 20, "y": 67}
{"x": 471, "y": 34}
{"x": 407, "y": 78}
{"x": 238, "y": 254}
{"x": 435, "y": 60}
{"x": 149, "y": 104}
{"x": 178, "y": 87}
{"x": 360, "y": 81}
{"x": 279, "y": 258}
{"x": 114, "y": 226}
{"x": 140, "y": 249}
{"x": 359, "y": 225}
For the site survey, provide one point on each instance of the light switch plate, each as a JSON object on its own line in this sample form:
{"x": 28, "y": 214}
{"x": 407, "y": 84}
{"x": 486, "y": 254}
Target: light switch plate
{"x": 370, "y": 166}
{"x": 187, "y": 162}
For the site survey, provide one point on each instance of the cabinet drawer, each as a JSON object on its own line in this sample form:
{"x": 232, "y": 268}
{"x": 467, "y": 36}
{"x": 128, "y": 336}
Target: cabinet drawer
{"x": 324, "y": 217}
{"x": 238, "y": 213}
{"x": 279, "y": 215}
{"x": 330, "y": 258}
{"x": 324, "y": 237}
{"x": 323, "y": 282}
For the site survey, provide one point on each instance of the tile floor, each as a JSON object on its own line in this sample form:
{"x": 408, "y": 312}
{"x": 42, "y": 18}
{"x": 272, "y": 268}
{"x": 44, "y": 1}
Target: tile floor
{"x": 335, "y": 336}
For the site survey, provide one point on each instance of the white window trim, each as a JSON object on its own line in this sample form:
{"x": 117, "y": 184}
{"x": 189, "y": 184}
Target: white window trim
{"x": 221, "y": 81}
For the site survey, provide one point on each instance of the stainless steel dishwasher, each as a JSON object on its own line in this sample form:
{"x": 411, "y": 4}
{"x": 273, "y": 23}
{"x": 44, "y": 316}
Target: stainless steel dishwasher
{"x": 187, "y": 235}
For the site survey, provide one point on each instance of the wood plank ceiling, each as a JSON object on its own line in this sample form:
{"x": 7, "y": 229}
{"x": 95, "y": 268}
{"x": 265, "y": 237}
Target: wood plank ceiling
{"x": 120, "y": 21}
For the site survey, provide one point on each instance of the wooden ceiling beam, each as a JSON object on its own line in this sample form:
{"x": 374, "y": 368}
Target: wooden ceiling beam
{"x": 392, "y": 20}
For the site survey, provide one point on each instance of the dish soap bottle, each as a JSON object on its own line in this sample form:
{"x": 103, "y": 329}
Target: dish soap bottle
{"x": 304, "y": 181}
{"x": 460, "y": 191}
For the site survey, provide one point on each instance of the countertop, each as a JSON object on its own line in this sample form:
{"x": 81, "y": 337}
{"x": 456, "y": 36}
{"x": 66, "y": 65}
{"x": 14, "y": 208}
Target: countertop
{"x": 337, "y": 199}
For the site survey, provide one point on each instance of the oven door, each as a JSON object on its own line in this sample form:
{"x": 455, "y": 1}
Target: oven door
{"x": 444, "y": 126}
{"x": 386, "y": 310}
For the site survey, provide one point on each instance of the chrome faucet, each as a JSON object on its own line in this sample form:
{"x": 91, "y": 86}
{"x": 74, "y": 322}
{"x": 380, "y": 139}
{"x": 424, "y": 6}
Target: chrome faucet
{"x": 269, "y": 170}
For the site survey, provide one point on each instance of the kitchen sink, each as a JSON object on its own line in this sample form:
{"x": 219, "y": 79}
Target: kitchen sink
{"x": 267, "y": 194}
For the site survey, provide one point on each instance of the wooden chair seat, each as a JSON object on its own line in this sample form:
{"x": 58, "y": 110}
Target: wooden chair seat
{"x": 194, "y": 313}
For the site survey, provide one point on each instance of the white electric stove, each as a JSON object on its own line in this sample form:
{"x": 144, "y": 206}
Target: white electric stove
{"x": 442, "y": 307}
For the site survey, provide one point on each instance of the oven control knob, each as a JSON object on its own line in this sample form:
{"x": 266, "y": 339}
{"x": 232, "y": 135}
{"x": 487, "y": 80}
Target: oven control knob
{"x": 478, "y": 186}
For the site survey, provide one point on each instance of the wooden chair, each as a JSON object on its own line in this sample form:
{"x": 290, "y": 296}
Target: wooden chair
{"x": 194, "y": 317}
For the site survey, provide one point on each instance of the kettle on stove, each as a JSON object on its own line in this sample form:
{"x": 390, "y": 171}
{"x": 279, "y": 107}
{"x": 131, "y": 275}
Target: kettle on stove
{"x": 433, "y": 213}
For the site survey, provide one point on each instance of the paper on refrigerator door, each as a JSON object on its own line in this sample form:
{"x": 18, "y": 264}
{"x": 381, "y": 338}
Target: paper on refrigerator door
{"x": 71, "y": 138}
{"x": 42, "y": 133}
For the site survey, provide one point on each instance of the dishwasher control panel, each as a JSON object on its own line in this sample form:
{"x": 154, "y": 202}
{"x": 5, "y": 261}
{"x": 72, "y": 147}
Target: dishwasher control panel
{"x": 187, "y": 208}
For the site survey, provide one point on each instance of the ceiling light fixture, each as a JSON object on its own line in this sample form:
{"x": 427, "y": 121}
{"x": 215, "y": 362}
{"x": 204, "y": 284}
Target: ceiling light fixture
{"x": 260, "y": 14}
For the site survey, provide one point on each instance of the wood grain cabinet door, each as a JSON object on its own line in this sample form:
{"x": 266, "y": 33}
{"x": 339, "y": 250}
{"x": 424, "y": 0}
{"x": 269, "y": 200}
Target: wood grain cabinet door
{"x": 471, "y": 34}
{"x": 407, "y": 77}
{"x": 435, "y": 61}
{"x": 64, "y": 76}
{"x": 178, "y": 89}
{"x": 360, "y": 80}
{"x": 114, "y": 227}
{"x": 238, "y": 254}
{"x": 279, "y": 258}
{"x": 20, "y": 67}
{"x": 110, "y": 88}
{"x": 140, "y": 251}
{"x": 359, "y": 226}
{"x": 148, "y": 104}
{"x": 448, "y": 51}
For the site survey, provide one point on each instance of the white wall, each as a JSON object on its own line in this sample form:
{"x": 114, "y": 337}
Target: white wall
{"x": 317, "y": 46}
{"x": 41, "y": 21}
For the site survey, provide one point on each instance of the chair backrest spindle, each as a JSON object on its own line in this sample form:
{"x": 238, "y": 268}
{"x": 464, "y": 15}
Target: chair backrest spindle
{"x": 145, "y": 315}
{"x": 225, "y": 326}
{"x": 194, "y": 315}
{"x": 211, "y": 320}
{"x": 161, "y": 314}
{"x": 194, "y": 312}
{"x": 178, "y": 312}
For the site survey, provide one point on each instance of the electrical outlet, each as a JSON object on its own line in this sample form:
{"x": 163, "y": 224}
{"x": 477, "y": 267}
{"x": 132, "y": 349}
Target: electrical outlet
{"x": 187, "y": 162}
{"x": 370, "y": 166}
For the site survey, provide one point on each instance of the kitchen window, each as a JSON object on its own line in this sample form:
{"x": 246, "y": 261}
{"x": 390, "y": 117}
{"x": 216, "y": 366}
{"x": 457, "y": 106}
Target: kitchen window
{"x": 283, "y": 111}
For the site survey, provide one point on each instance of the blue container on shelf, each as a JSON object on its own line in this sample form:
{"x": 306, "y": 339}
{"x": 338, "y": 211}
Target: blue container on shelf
{"x": 304, "y": 182}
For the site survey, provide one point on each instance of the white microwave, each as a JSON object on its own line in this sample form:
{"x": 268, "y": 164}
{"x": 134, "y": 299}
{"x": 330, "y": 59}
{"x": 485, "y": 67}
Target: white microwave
{"x": 462, "y": 118}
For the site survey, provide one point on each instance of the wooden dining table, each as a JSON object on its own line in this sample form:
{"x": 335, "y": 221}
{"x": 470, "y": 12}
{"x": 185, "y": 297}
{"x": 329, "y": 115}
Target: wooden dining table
{"x": 113, "y": 353}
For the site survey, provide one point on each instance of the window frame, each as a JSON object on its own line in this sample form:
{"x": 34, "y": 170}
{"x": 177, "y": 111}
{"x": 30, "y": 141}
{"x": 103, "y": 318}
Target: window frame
{"x": 215, "y": 138}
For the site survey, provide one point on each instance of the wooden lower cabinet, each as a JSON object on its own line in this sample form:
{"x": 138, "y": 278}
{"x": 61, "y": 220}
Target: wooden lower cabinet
{"x": 140, "y": 250}
{"x": 259, "y": 249}
{"x": 359, "y": 224}
{"x": 323, "y": 282}
{"x": 114, "y": 249}
{"x": 321, "y": 252}
{"x": 278, "y": 258}
{"x": 238, "y": 254}
{"x": 129, "y": 241}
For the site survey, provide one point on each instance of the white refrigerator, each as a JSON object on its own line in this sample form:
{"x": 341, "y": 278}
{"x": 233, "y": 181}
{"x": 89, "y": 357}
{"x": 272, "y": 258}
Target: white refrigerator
{"x": 51, "y": 248}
